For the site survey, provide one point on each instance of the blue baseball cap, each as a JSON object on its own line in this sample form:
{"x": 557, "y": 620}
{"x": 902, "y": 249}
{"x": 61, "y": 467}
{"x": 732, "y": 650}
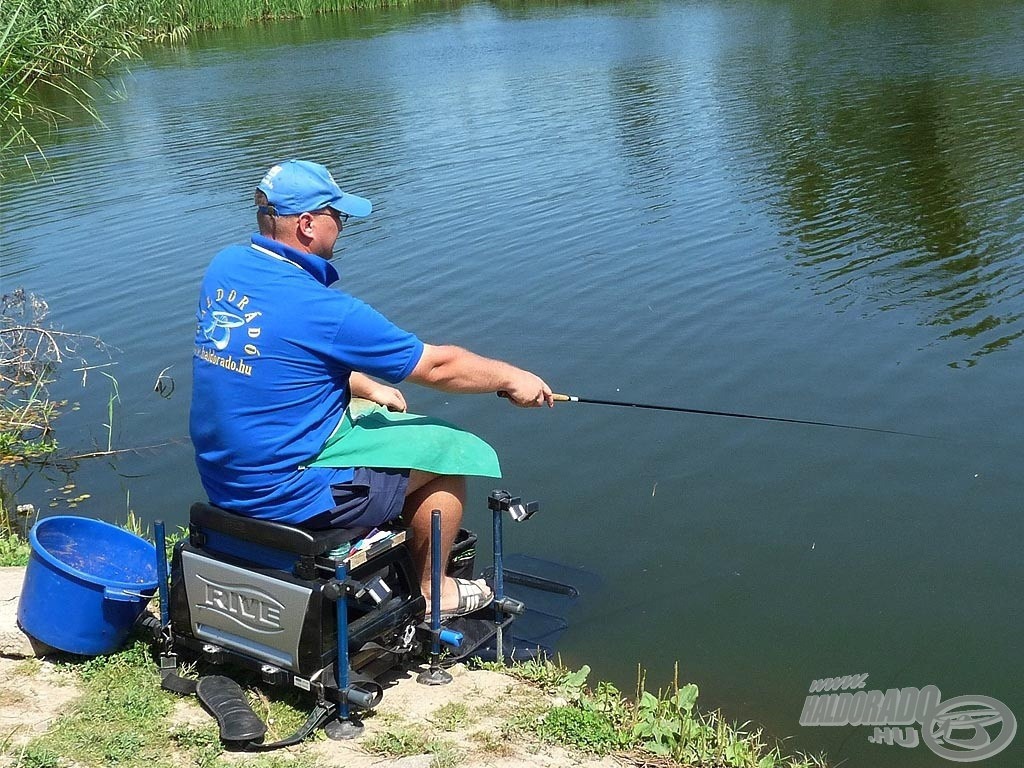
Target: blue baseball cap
{"x": 298, "y": 186}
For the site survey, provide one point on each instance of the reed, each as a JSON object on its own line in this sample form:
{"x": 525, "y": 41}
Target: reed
{"x": 59, "y": 42}
{"x": 68, "y": 44}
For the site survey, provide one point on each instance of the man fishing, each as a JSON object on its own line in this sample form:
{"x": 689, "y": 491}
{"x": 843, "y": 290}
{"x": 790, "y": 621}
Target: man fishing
{"x": 279, "y": 357}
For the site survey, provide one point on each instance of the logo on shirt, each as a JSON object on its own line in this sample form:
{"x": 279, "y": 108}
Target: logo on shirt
{"x": 217, "y": 326}
{"x": 218, "y": 330}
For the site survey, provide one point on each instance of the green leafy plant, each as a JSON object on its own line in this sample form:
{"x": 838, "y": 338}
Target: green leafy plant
{"x": 399, "y": 740}
{"x": 667, "y": 724}
{"x": 35, "y": 756}
{"x": 14, "y": 546}
{"x": 201, "y": 743}
{"x": 404, "y": 740}
{"x": 14, "y": 550}
{"x": 664, "y": 724}
{"x": 543, "y": 672}
{"x": 451, "y": 716}
{"x": 584, "y": 729}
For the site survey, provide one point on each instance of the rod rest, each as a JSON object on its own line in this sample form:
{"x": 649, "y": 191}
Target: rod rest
{"x": 287, "y": 538}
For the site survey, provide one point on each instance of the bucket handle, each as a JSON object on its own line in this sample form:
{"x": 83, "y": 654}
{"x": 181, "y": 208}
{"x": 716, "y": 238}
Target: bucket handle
{"x": 123, "y": 595}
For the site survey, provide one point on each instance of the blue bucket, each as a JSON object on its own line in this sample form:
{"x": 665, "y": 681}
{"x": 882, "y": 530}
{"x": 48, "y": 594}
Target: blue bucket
{"x": 86, "y": 583}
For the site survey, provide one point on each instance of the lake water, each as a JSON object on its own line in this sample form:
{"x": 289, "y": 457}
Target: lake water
{"x": 800, "y": 209}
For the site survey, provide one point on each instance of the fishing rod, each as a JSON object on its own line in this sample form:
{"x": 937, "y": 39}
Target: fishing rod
{"x": 677, "y": 409}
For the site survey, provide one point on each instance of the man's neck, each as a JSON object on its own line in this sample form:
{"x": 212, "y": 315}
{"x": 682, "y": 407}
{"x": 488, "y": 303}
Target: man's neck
{"x": 317, "y": 266}
{"x": 291, "y": 242}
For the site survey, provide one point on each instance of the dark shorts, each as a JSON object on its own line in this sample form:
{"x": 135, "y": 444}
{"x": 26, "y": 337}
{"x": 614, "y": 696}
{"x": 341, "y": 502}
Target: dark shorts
{"x": 373, "y": 497}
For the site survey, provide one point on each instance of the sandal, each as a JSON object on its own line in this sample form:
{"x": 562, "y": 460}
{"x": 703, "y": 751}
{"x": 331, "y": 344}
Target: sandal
{"x": 473, "y": 595}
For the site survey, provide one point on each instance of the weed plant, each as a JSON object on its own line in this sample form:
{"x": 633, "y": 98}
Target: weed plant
{"x": 31, "y": 351}
{"x": 120, "y": 719}
{"x": 29, "y": 355}
{"x": 14, "y": 549}
{"x": 667, "y": 724}
{"x": 405, "y": 740}
{"x": 451, "y": 716}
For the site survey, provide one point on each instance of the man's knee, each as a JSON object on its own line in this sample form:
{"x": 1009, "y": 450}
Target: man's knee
{"x": 418, "y": 480}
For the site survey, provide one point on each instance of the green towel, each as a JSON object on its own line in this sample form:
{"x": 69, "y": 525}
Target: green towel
{"x": 372, "y": 436}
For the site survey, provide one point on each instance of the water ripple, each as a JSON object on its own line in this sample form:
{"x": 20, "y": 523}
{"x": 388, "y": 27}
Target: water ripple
{"x": 800, "y": 209}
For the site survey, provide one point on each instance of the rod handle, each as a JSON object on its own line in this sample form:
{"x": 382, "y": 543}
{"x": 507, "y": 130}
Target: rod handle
{"x": 556, "y": 397}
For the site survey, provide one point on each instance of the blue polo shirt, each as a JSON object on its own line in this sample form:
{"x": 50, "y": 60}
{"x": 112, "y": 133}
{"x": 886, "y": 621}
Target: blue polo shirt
{"x": 274, "y": 349}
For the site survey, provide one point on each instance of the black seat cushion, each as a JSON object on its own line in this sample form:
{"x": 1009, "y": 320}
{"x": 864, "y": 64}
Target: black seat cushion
{"x": 279, "y": 536}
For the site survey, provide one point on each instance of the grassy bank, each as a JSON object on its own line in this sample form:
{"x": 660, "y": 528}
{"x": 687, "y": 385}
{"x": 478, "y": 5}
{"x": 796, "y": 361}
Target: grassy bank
{"x": 68, "y": 44}
{"x": 644, "y": 726}
{"x": 528, "y": 715}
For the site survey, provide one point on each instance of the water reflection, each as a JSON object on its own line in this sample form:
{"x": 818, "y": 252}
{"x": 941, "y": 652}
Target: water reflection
{"x": 897, "y": 189}
{"x": 641, "y": 100}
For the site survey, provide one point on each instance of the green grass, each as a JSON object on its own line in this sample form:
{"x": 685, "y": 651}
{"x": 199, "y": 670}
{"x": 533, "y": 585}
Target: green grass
{"x": 54, "y": 42}
{"x": 120, "y": 717}
{"x": 666, "y": 724}
{"x": 581, "y": 728}
{"x": 199, "y": 14}
{"x": 14, "y": 550}
{"x": 451, "y": 716}
{"x": 14, "y": 547}
{"x": 121, "y": 720}
{"x": 201, "y": 743}
{"x": 496, "y": 745}
{"x": 400, "y": 740}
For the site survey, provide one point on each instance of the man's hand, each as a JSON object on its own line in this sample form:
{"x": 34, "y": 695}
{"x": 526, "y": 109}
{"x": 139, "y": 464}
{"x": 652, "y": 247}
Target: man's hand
{"x": 528, "y": 391}
{"x": 368, "y": 389}
{"x": 389, "y": 397}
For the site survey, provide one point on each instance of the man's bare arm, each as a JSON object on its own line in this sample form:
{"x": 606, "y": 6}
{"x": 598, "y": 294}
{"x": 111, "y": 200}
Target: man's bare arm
{"x": 361, "y": 385}
{"x": 454, "y": 369}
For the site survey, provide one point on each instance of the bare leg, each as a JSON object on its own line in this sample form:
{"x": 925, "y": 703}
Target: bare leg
{"x": 427, "y": 492}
